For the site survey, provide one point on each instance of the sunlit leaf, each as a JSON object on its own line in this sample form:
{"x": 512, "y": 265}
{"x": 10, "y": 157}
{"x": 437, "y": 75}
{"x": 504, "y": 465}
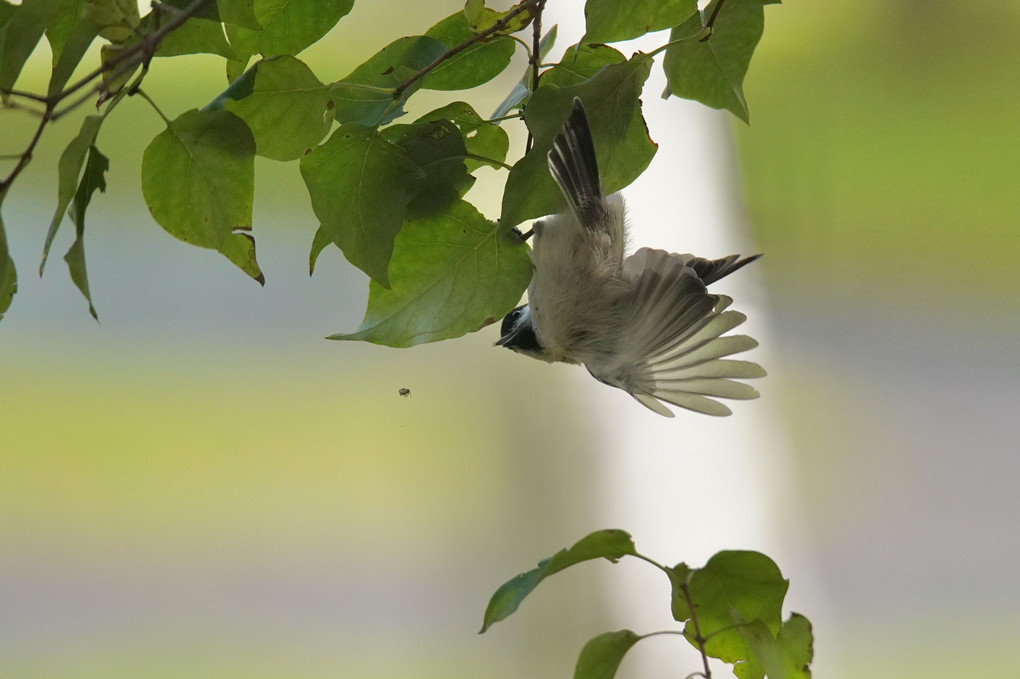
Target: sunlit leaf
{"x": 622, "y": 146}
{"x": 68, "y": 172}
{"x": 360, "y": 185}
{"x": 8, "y": 274}
{"x": 450, "y": 274}
{"x": 287, "y": 27}
{"x": 609, "y": 544}
{"x": 471, "y": 67}
{"x": 200, "y": 34}
{"x": 367, "y": 95}
{"x": 601, "y": 656}
{"x": 21, "y": 33}
{"x": 92, "y": 179}
{"x": 198, "y": 179}
{"x": 480, "y": 18}
{"x": 286, "y": 108}
{"x": 787, "y": 655}
{"x": 612, "y": 20}
{"x": 712, "y": 70}
{"x": 239, "y": 13}
{"x": 113, "y": 77}
{"x": 481, "y": 139}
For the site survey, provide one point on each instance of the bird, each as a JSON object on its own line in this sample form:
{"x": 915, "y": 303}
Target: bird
{"x": 643, "y": 323}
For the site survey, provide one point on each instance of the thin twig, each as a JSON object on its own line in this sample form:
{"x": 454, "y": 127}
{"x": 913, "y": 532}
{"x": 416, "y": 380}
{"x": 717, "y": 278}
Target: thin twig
{"x": 27, "y": 155}
{"x": 500, "y": 24}
{"x": 535, "y": 57}
{"x": 685, "y": 588}
{"x": 711, "y": 20}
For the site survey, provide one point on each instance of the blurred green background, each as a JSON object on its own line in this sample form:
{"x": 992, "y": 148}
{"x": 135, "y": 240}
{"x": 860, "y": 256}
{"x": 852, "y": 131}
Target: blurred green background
{"x": 200, "y": 486}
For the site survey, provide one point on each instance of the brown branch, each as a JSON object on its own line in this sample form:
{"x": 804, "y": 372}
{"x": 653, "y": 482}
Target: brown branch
{"x": 536, "y": 56}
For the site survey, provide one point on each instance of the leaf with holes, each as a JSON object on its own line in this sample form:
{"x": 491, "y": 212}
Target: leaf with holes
{"x": 482, "y": 139}
{"x": 198, "y": 179}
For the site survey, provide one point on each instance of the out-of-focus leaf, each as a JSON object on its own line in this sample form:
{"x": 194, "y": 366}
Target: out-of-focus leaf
{"x": 451, "y": 274}
{"x": 239, "y": 13}
{"x": 437, "y": 149}
{"x": 8, "y": 274}
{"x": 92, "y": 179}
{"x": 366, "y": 96}
{"x": 787, "y": 655}
{"x": 482, "y": 139}
{"x": 239, "y": 88}
{"x": 113, "y": 78}
{"x": 601, "y": 656}
{"x": 117, "y": 20}
{"x": 622, "y": 146}
{"x": 513, "y": 100}
{"x": 73, "y": 47}
{"x": 319, "y": 243}
{"x": 287, "y": 27}
{"x": 581, "y": 63}
{"x": 68, "y": 172}
{"x": 360, "y": 185}
{"x": 21, "y": 33}
{"x": 59, "y": 30}
{"x": 286, "y": 108}
{"x": 471, "y": 67}
{"x": 198, "y": 179}
{"x": 734, "y": 587}
{"x": 678, "y": 577}
{"x": 612, "y": 21}
{"x": 609, "y": 544}
{"x": 712, "y": 70}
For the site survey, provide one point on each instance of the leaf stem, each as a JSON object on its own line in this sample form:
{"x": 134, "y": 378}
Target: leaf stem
{"x": 499, "y": 25}
{"x": 506, "y": 117}
{"x": 711, "y": 20}
{"x": 483, "y": 159}
{"x": 26, "y": 156}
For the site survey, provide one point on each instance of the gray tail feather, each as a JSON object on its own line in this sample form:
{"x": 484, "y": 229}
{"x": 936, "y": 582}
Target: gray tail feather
{"x": 574, "y": 167}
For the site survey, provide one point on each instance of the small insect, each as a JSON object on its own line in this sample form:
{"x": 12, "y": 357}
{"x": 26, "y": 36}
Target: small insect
{"x": 404, "y": 391}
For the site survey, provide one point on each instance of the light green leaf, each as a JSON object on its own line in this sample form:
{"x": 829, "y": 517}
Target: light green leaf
{"x": 198, "y": 179}
{"x": 319, "y": 243}
{"x": 68, "y": 171}
{"x": 787, "y": 655}
{"x": 480, "y": 18}
{"x": 92, "y": 179}
{"x": 21, "y": 33}
{"x": 612, "y": 21}
{"x": 8, "y": 274}
{"x": 601, "y": 656}
{"x": 712, "y": 70}
{"x": 287, "y": 109}
{"x": 580, "y": 63}
{"x": 451, "y": 274}
{"x": 72, "y": 49}
{"x": 609, "y": 544}
{"x": 59, "y": 30}
{"x": 197, "y": 35}
{"x": 112, "y": 80}
{"x": 611, "y": 101}
{"x": 288, "y": 26}
{"x": 473, "y": 66}
{"x": 360, "y": 185}
{"x": 481, "y": 139}
{"x": 117, "y": 20}
{"x": 366, "y": 96}
{"x": 239, "y": 13}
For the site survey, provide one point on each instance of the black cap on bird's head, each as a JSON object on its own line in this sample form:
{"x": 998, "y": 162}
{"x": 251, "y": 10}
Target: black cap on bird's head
{"x": 518, "y": 333}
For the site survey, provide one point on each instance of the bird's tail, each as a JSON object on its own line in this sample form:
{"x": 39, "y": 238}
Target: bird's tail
{"x": 574, "y": 167}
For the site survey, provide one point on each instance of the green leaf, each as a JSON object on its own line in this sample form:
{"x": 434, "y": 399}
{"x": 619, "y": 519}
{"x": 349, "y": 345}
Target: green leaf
{"x": 580, "y": 63}
{"x": 59, "y": 30}
{"x": 437, "y": 149}
{"x": 113, "y": 81}
{"x": 366, "y": 96}
{"x": 712, "y": 70}
{"x": 117, "y": 20}
{"x": 92, "y": 179}
{"x": 611, "y": 20}
{"x": 451, "y": 274}
{"x": 287, "y": 109}
{"x": 288, "y": 26}
{"x": 73, "y": 47}
{"x": 319, "y": 243}
{"x": 678, "y": 576}
{"x": 239, "y": 13}
{"x": 480, "y": 18}
{"x": 8, "y": 274}
{"x": 513, "y": 100}
{"x": 734, "y": 587}
{"x": 472, "y": 66}
{"x": 360, "y": 185}
{"x": 481, "y": 139}
{"x": 784, "y": 656}
{"x": 601, "y": 656}
{"x": 68, "y": 172}
{"x": 198, "y": 179}
{"x": 21, "y": 33}
{"x": 611, "y": 101}
{"x": 196, "y": 36}
{"x": 609, "y": 544}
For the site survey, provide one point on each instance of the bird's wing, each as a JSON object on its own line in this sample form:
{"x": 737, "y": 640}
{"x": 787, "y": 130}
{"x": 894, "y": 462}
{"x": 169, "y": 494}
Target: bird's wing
{"x": 574, "y": 167}
{"x": 711, "y": 270}
{"x": 670, "y": 344}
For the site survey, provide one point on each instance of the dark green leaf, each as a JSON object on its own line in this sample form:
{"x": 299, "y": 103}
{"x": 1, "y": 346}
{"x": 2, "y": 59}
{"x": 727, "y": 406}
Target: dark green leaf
{"x": 198, "y": 179}
{"x": 57, "y": 33}
{"x": 451, "y": 274}
{"x": 8, "y": 274}
{"x": 437, "y": 148}
{"x": 601, "y": 657}
{"x": 287, "y": 109}
{"x": 239, "y": 13}
{"x": 68, "y": 172}
{"x": 196, "y": 36}
{"x": 319, "y": 243}
{"x": 360, "y": 185}
{"x": 471, "y": 67}
{"x": 712, "y": 71}
{"x": 117, "y": 20}
{"x": 611, "y": 101}
{"x": 240, "y": 87}
{"x": 581, "y": 63}
{"x": 366, "y": 96}
{"x": 21, "y": 33}
{"x": 73, "y": 48}
{"x": 92, "y": 179}
{"x": 735, "y": 587}
{"x": 287, "y": 27}
{"x": 605, "y": 544}
{"x": 611, "y": 20}
{"x": 481, "y": 139}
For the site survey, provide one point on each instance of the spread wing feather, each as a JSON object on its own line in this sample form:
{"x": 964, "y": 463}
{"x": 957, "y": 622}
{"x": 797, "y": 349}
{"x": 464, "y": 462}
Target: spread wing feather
{"x": 574, "y": 167}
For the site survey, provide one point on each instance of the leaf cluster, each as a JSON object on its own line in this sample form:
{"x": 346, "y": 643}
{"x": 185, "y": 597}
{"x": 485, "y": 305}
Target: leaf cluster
{"x": 731, "y": 609}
